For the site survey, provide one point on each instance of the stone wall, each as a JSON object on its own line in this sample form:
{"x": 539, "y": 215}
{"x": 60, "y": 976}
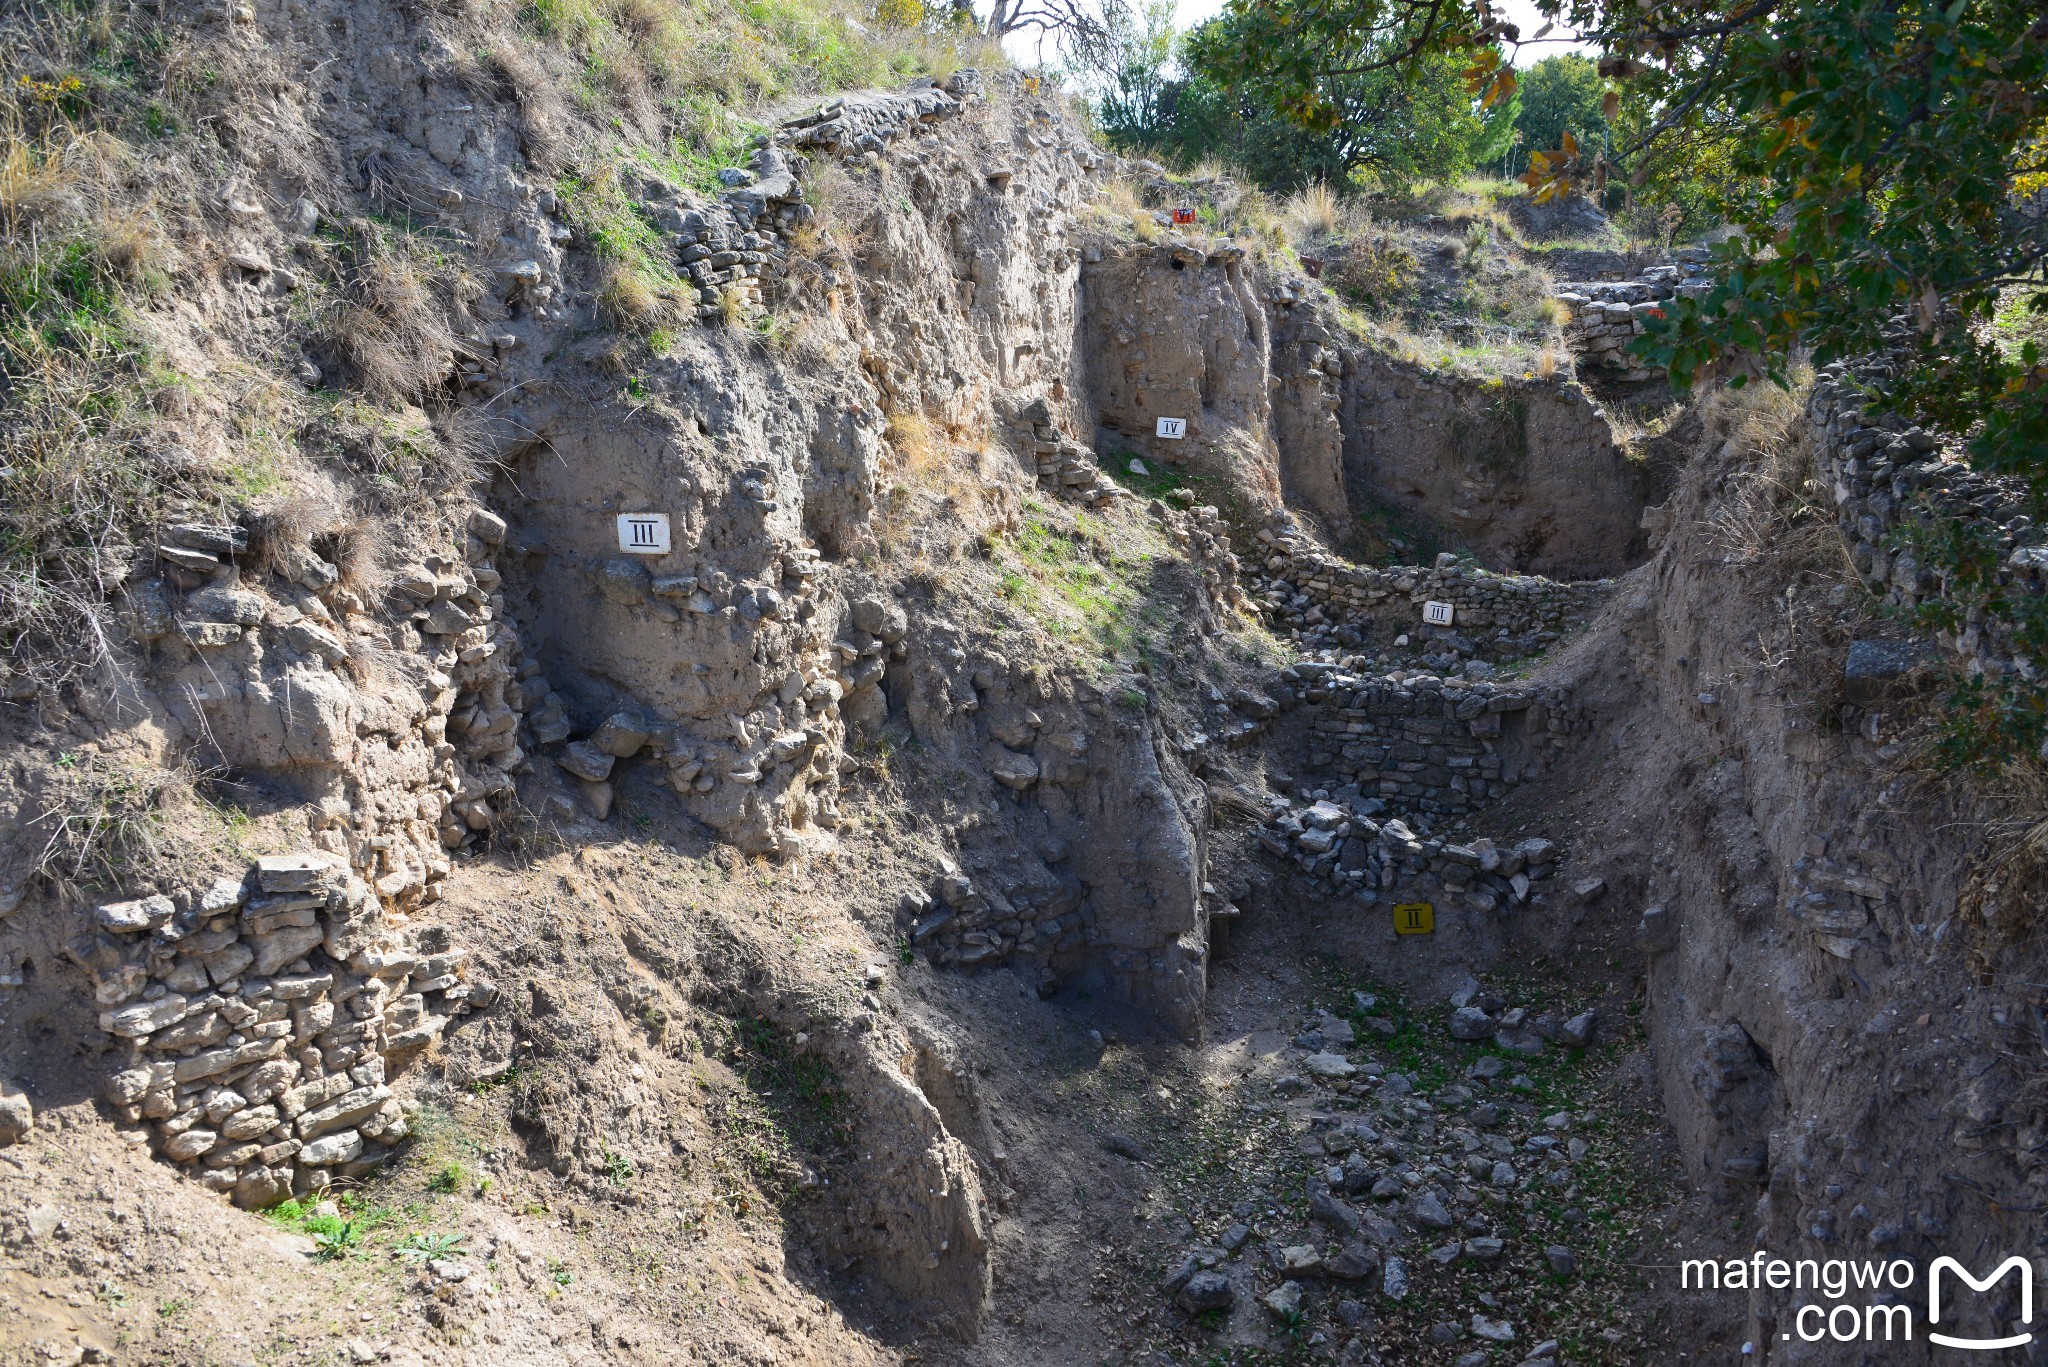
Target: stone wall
{"x": 1606, "y": 315}
{"x": 1883, "y": 473}
{"x": 1495, "y": 616}
{"x": 396, "y": 722}
{"x": 261, "y": 1017}
{"x": 1419, "y": 743}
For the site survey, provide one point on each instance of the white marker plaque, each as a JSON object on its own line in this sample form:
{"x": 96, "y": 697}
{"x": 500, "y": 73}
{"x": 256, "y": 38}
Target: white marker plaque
{"x": 1437, "y": 614}
{"x": 1172, "y": 429}
{"x": 643, "y": 533}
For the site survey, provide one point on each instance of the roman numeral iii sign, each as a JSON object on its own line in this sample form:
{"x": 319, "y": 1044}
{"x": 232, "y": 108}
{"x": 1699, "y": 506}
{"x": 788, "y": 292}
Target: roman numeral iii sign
{"x": 643, "y": 533}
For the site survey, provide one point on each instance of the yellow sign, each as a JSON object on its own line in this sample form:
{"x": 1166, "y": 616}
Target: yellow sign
{"x": 1031, "y": 85}
{"x": 1415, "y": 918}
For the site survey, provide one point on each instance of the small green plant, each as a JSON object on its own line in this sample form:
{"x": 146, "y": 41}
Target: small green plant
{"x": 336, "y": 1243}
{"x": 484, "y": 1086}
{"x": 905, "y": 955}
{"x": 173, "y": 1308}
{"x": 452, "y": 1177}
{"x": 427, "y": 1248}
{"x": 618, "y": 1168}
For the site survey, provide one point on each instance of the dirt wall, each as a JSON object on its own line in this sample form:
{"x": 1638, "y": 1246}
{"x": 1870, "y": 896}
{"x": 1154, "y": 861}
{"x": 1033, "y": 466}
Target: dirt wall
{"x": 1526, "y": 474}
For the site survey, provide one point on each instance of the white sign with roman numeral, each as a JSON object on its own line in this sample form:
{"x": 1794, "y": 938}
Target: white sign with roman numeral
{"x": 643, "y": 533}
{"x": 1172, "y": 429}
{"x": 1436, "y": 614}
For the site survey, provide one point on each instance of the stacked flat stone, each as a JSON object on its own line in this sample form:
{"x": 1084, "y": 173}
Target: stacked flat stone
{"x": 1065, "y": 467}
{"x": 1501, "y": 615}
{"x": 724, "y": 244}
{"x": 970, "y": 923}
{"x": 1606, "y": 315}
{"x": 1883, "y": 473}
{"x": 261, "y": 1017}
{"x": 1427, "y": 744}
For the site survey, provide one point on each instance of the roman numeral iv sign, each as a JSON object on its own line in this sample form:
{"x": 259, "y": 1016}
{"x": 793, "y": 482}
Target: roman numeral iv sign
{"x": 643, "y": 533}
{"x": 1173, "y": 429}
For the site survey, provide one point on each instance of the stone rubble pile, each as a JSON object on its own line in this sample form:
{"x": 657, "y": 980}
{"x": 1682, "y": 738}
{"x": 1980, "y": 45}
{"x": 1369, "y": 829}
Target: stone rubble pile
{"x": 1353, "y": 850}
{"x": 1327, "y": 602}
{"x": 1606, "y": 315}
{"x": 262, "y": 1018}
{"x": 1402, "y": 1184}
{"x": 1198, "y": 532}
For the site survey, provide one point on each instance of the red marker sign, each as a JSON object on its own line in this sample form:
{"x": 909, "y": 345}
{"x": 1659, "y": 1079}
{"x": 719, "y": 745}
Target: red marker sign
{"x": 1183, "y": 217}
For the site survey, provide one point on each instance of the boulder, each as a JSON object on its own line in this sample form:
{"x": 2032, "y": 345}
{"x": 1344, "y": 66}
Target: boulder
{"x": 1471, "y": 1024}
{"x": 17, "y": 1116}
{"x": 1876, "y": 670}
{"x": 1014, "y": 771}
{"x": 623, "y": 735}
{"x": 586, "y": 761}
{"x": 1206, "y": 1291}
{"x": 1358, "y": 1261}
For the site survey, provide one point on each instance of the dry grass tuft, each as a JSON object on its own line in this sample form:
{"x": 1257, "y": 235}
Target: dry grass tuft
{"x": 390, "y": 329}
{"x": 1313, "y": 211}
{"x": 1772, "y": 511}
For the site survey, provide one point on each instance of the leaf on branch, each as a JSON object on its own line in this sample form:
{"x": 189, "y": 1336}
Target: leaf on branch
{"x": 1620, "y": 68}
{"x": 1610, "y": 106}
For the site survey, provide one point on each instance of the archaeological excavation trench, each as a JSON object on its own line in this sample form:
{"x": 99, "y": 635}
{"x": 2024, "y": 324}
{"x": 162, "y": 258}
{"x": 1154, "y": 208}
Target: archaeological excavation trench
{"x": 908, "y": 837}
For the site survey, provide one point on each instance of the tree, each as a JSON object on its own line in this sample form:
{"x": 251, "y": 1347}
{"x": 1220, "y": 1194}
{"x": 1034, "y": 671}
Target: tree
{"x": 1500, "y": 132}
{"x": 1084, "y": 30}
{"x": 1396, "y": 127}
{"x": 1879, "y": 150}
{"x": 1136, "y": 79}
{"x": 1559, "y": 93}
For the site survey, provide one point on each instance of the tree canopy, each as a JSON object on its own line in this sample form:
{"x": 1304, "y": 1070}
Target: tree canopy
{"x": 1561, "y": 92}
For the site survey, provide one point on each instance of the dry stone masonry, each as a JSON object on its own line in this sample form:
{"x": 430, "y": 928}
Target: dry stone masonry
{"x": 398, "y": 721}
{"x": 1888, "y": 477}
{"x": 262, "y": 1017}
{"x": 1606, "y": 315}
{"x": 1329, "y": 602}
{"x": 1419, "y": 743}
